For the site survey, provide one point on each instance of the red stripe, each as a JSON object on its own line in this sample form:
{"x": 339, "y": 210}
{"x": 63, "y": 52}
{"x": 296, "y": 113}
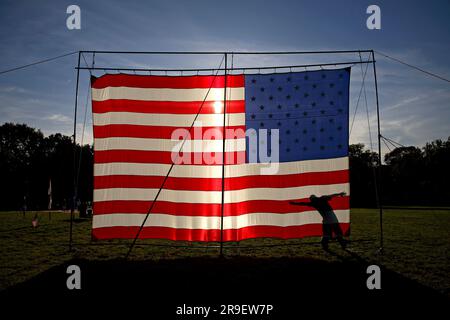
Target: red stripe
{"x": 157, "y": 132}
{"x": 183, "y": 82}
{"x": 166, "y": 107}
{"x": 165, "y": 157}
{"x": 215, "y": 184}
{"x": 212, "y": 210}
{"x": 290, "y": 232}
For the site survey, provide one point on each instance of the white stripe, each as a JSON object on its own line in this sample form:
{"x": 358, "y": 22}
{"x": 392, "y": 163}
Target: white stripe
{"x": 215, "y": 171}
{"x": 208, "y": 223}
{"x": 231, "y": 145}
{"x": 165, "y": 94}
{"x": 233, "y": 196}
{"x": 168, "y": 120}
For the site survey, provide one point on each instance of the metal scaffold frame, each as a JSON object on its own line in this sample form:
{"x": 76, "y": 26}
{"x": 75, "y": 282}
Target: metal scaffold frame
{"x": 225, "y": 70}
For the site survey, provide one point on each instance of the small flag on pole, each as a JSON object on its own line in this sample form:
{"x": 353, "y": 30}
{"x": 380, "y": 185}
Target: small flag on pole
{"x": 35, "y": 221}
{"x": 50, "y": 198}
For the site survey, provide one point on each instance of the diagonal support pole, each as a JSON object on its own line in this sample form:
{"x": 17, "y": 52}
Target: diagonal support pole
{"x": 169, "y": 171}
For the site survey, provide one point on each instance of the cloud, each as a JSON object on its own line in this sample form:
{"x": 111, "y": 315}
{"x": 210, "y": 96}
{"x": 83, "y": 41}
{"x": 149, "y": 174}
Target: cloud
{"x": 405, "y": 102}
{"x": 58, "y": 118}
{"x": 13, "y": 89}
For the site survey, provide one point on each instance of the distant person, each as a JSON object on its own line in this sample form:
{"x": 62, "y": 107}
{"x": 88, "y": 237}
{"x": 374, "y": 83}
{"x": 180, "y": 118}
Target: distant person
{"x": 330, "y": 222}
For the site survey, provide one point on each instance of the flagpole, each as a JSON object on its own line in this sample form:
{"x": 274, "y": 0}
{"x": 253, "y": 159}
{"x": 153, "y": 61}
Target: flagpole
{"x": 223, "y": 153}
{"x": 380, "y": 204}
{"x": 72, "y": 209}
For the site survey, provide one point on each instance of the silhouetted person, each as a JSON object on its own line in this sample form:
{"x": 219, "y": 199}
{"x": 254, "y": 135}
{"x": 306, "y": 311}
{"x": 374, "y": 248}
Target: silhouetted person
{"x": 330, "y": 222}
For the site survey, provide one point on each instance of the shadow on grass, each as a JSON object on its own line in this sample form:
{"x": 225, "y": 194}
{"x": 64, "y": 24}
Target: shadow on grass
{"x": 291, "y": 284}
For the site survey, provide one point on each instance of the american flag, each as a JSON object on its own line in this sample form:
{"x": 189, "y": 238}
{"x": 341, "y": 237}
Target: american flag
{"x": 141, "y": 122}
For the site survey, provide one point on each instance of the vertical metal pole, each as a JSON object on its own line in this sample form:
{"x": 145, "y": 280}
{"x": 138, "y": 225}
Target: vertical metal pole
{"x": 380, "y": 203}
{"x": 223, "y": 154}
{"x": 72, "y": 209}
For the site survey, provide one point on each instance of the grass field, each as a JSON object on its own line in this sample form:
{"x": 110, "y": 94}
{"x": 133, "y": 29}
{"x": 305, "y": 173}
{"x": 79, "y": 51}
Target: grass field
{"x": 416, "y": 245}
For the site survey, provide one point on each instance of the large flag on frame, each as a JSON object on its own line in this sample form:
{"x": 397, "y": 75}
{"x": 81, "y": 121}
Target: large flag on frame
{"x": 140, "y": 123}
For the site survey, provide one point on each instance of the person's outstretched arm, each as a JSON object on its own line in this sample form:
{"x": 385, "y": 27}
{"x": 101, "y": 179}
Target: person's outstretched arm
{"x": 340, "y": 194}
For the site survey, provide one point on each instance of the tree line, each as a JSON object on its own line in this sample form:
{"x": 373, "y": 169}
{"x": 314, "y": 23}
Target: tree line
{"x": 29, "y": 161}
{"x": 409, "y": 175}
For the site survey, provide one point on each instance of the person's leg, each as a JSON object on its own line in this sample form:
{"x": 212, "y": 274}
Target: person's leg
{"x": 326, "y": 235}
{"x": 339, "y": 235}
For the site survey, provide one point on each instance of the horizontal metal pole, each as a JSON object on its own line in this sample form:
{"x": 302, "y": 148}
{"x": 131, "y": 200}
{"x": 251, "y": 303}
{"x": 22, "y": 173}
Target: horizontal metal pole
{"x": 300, "y": 52}
{"x": 155, "y": 52}
{"x": 227, "y": 52}
{"x": 228, "y": 69}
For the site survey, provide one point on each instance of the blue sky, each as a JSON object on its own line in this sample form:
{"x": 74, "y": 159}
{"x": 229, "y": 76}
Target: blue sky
{"x": 415, "y": 108}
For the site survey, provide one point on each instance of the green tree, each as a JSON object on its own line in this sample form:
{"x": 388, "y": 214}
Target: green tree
{"x": 436, "y": 156}
{"x": 21, "y": 154}
{"x": 28, "y": 161}
{"x": 363, "y": 164}
{"x": 406, "y": 168}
